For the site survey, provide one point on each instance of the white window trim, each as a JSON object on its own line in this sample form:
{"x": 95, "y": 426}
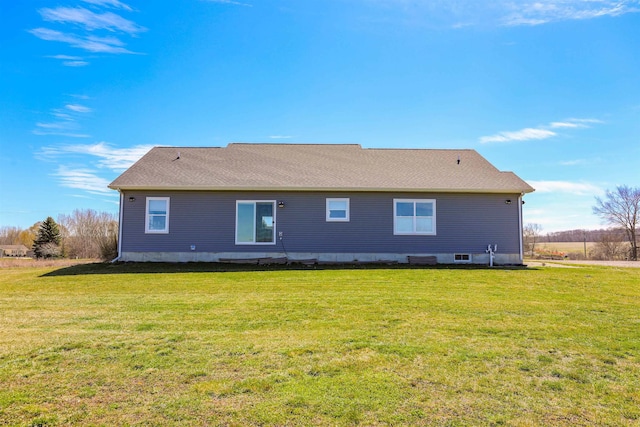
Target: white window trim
{"x": 254, "y": 243}
{"x": 341, "y": 199}
{"x": 146, "y": 216}
{"x": 414, "y": 233}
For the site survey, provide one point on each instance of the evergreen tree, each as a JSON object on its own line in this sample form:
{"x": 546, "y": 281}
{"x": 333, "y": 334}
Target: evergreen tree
{"x": 47, "y": 242}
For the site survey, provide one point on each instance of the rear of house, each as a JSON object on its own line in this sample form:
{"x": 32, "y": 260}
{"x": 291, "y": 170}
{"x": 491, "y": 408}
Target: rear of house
{"x": 334, "y": 203}
{"x": 13, "y": 251}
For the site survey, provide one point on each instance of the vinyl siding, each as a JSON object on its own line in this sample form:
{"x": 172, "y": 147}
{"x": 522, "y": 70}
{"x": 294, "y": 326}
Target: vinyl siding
{"x": 465, "y": 223}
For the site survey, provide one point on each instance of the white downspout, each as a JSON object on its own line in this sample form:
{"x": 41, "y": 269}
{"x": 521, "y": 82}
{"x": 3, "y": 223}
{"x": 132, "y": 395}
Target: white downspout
{"x": 116, "y": 259}
{"x": 521, "y": 228}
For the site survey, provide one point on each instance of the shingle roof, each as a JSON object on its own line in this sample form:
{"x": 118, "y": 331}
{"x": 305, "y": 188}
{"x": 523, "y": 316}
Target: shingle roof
{"x": 316, "y": 167}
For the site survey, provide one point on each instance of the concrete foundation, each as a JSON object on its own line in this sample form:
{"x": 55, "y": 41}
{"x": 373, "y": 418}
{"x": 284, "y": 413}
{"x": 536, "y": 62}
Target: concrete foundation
{"x": 443, "y": 258}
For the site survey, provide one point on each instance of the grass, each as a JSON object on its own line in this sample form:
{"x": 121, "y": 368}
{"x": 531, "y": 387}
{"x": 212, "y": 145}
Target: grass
{"x": 566, "y": 247}
{"x": 194, "y": 345}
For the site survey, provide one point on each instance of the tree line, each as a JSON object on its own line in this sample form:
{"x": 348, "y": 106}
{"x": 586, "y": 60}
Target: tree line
{"x": 619, "y": 208}
{"x": 85, "y": 233}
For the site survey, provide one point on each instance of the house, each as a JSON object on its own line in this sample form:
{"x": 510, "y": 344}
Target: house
{"x": 334, "y": 203}
{"x": 13, "y": 250}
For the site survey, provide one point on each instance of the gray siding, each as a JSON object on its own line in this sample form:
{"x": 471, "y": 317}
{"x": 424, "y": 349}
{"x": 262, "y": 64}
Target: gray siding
{"x": 466, "y": 223}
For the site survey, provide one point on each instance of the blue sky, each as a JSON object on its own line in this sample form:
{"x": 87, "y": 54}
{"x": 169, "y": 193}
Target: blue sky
{"x": 547, "y": 89}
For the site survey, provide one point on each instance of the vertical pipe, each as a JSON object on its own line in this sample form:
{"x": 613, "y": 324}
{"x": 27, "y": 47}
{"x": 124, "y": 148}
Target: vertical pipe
{"x": 120, "y": 227}
{"x": 521, "y": 228}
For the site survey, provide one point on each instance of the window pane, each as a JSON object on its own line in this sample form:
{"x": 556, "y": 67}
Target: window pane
{"x": 424, "y": 225}
{"x": 157, "y": 207}
{"x": 264, "y": 222}
{"x": 337, "y": 214}
{"x": 404, "y": 225}
{"x": 424, "y": 209}
{"x": 404, "y": 209}
{"x": 338, "y": 205}
{"x": 244, "y": 231}
{"x": 157, "y": 222}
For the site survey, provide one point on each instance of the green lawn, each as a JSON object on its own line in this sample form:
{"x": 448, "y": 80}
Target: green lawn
{"x": 161, "y": 345}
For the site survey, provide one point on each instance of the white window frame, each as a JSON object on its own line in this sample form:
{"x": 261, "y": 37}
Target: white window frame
{"x": 273, "y": 203}
{"x": 414, "y": 232}
{"x": 147, "y": 216}
{"x": 347, "y": 209}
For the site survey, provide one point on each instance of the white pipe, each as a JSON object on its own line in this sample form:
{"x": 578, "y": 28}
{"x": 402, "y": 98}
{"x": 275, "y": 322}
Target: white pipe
{"x": 116, "y": 259}
{"x": 521, "y": 228}
{"x": 491, "y": 253}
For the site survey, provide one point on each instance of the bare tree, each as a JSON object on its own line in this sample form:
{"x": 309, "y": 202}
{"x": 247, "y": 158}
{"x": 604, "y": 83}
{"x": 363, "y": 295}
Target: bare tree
{"x": 531, "y": 236}
{"x": 610, "y": 246}
{"x": 88, "y": 233}
{"x": 9, "y": 235}
{"x": 621, "y": 208}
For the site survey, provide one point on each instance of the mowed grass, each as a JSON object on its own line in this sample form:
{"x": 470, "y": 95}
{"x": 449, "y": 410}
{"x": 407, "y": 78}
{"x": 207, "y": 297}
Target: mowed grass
{"x": 161, "y": 345}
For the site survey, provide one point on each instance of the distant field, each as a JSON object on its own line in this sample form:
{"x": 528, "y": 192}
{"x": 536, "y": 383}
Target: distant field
{"x": 565, "y": 246}
{"x": 155, "y": 344}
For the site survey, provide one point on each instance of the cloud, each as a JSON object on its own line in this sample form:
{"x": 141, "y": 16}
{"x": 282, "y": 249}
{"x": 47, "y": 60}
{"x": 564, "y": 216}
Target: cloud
{"x": 237, "y": 3}
{"x": 541, "y": 132}
{"x": 70, "y": 61}
{"x": 60, "y": 128}
{"x": 564, "y": 125}
{"x": 82, "y": 179}
{"x": 545, "y": 11}
{"x": 40, "y": 132}
{"x": 78, "y": 108}
{"x": 461, "y": 14}
{"x": 109, "y": 157}
{"x": 81, "y": 42}
{"x": 115, "y": 4}
{"x": 88, "y": 29}
{"x": 65, "y": 121}
{"x": 280, "y": 137}
{"x": 520, "y": 135}
{"x": 75, "y": 63}
{"x": 575, "y": 188}
{"x": 91, "y": 21}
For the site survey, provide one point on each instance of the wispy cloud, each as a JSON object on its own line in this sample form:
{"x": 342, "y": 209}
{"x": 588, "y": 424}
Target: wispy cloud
{"x": 78, "y": 108}
{"x": 70, "y": 61}
{"x": 91, "y": 29}
{"x": 115, "y": 4}
{"x": 537, "y": 133}
{"x": 109, "y": 157}
{"x": 576, "y": 188}
{"x": 580, "y": 162}
{"x": 100, "y": 163}
{"x": 87, "y": 43}
{"x": 91, "y": 21}
{"x": 64, "y": 121}
{"x": 280, "y": 136}
{"x": 82, "y": 179}
{"x": 546, "y": 11}
{"x": 460, "y": 14}
{"x": 519, "y": 135}
{"x": 237, "y": 3}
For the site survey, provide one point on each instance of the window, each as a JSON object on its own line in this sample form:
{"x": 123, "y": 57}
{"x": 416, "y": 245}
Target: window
{"x": 157, "y": 215}
{"x": 462, "y": 257}
{"x": 414, "y": 216}
{"x": 338, "y": 210}
{"x": 255, "y": 222}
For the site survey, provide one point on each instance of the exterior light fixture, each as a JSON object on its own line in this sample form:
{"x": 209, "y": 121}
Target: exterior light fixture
{"x": 507, "y": 202}
{"x": 132, "y": 199}
{"x": 281, "y": 204}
